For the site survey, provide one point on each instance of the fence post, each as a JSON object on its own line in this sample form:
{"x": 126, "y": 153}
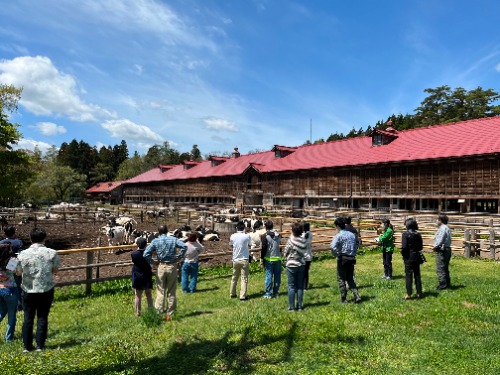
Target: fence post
{"x": 474, "y": 247}
{"x": 189, "y": 218}
{"x": 64, "y": 218}
{"x": 467, "y": 243}
{"x": 142, "y": 216}
{"x": 88, "y": 273}
{"x": 177, "y": 216}
{"x": 281, "y": 224}
{"x": 493, "y": 248}
{"x": 98, "y": 258}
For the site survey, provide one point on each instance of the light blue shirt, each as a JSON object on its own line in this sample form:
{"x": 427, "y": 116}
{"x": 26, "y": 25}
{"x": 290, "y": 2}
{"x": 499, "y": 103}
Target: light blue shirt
{"x": 165, "y": 246}
{"x": 442, "y": 236}
{"x": 344, "y": 243}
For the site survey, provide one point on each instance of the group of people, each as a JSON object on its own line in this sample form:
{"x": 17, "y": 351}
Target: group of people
{"x": 296, "y": 256}
{"x": 26, "y": 279}
{"x": 411, "y": 250}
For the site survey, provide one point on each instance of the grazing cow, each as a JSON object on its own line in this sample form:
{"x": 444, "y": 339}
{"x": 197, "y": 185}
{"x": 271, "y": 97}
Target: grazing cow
{"x": 129, "y": 224}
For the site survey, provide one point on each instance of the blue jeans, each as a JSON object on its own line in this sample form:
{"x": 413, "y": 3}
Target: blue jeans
{"x": 189, "y": 270}
{"x": 295, "y": 277}
{"x": 8, "y": 306}
{"x": 273, "y": 270}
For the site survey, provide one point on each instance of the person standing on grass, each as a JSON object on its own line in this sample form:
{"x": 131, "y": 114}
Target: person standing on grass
{"x": 386, "y": 241}
{"x": 411, "y": 246}
{"x": 165, "y": 248}
{"x": 270, "y": 259}
{"x": 190, "y": 265}
{"x": 8, "y": 291}
{"x": 240, "y": 243}
{"x": 37, "y": 265}
{"x": 295, "y": 251}
{"x": 309, "y": 255}
{"x": 442, "y": 247}
{"x": 344, "y": 247}
{"x": 16, "y": 244}
{"x": 142, "y": 276}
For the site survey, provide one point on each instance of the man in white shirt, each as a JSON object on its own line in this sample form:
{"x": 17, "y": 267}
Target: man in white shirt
{"x": 240, "y": 242}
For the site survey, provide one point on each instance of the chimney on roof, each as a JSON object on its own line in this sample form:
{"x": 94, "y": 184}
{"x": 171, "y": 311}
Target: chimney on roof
{"x": 236, "y": 153}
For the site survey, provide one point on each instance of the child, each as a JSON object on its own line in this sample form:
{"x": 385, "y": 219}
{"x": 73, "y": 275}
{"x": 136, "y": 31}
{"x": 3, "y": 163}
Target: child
{"x": 142, "y": 276}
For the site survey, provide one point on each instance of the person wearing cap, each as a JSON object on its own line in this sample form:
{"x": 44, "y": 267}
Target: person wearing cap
{"x": 165, "y": 247}
{"x": 142, "y": 276}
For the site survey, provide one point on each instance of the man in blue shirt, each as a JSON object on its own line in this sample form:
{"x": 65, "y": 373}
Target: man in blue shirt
{"x": 167, "y": 258}
{"x": 344, "y": 246}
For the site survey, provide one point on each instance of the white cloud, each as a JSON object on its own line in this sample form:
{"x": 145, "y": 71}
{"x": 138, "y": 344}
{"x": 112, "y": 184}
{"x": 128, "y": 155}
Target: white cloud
{"x": 46, "y": 90}
{"x": 49, "y": 128}
{"x": 31, "y": 144}
{"x": 126, "y": 129}
{"x": 138, "y": 69}
{"x": 497, "y": 67}
{"x": 213, "y": 123}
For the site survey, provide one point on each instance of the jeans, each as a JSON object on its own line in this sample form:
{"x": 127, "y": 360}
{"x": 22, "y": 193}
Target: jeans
{"x": 166, "y": 287}
{"x": 273, "y": 270}
{"x": 295, "y": 277}
{"x": 8, "y": 306}
{"x": 36, "y": 304}
{"x": 240, "y": 267}
{"x": 189, "y": 276}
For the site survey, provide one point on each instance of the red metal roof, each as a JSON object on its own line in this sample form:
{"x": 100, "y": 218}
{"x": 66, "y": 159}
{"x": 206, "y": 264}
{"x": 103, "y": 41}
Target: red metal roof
{"x": 104, "y": 187}
{"x": 474, "y": 137}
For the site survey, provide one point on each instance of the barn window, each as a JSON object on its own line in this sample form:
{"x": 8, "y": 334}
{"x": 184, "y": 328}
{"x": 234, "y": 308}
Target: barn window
{"x": 376, "y": 140}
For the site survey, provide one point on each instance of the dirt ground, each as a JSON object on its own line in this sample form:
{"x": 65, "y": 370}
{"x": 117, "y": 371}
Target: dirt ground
{"x": 83, "y": 233}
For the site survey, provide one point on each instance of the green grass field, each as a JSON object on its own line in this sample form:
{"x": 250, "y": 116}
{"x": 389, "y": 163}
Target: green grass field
{"x": 451, "y": 332}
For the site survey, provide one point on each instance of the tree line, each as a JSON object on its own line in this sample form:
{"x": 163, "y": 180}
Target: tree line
{"x": 442, "y": 105}
{"x": 65, "y": 173}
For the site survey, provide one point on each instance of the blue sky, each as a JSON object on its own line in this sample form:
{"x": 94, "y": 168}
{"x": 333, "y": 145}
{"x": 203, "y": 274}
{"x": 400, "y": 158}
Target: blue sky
{"x": 245, "y": 73}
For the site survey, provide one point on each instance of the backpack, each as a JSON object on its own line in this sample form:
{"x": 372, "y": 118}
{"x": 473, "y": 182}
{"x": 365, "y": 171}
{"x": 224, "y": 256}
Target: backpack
{"x": 5, "y": 254}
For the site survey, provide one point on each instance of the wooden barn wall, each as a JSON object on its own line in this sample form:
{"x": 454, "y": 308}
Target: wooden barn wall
{"x": 461, "y": 178}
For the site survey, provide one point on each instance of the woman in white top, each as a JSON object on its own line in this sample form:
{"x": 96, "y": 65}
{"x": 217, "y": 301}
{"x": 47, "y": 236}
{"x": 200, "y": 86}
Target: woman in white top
{"x": 190, "y": 265}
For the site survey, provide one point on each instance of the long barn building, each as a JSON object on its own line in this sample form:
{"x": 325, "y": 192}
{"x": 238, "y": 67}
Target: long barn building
{"x": 450, "y": 167}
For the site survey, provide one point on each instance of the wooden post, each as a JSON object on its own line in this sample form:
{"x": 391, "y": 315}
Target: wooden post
{"x": 64, "y": 218}
{"x": 467, "y": 243}
{"x": 493, "y": 248}
{"x": 205, "y": 219}
{"x": 88, "y": 273}
{"x": 142, "y": 216}
{"x": 98, "y": 258}
{"x": 475, "y": 247}
{"x": 177, "y": 216}
{"x": 189, "y": 218}
{"x": 281, "y": 224}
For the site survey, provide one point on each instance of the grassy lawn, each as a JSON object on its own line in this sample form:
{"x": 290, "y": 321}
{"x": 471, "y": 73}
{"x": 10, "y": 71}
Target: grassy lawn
{"x": 451, "y": 332}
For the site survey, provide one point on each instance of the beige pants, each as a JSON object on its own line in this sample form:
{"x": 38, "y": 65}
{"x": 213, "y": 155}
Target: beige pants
{"x": 240, "y": 267}
{"x": 166, "y": 285}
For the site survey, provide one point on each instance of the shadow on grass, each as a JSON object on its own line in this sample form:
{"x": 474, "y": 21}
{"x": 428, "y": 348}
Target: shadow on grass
{"x": 456, "y": 287}
{"x": 195, "y": 313}
{"x": 201, "y": 290}
{"x": 318, "y": 286}
{"x": 233, "y": 352}
{"x": 364, "y": 286}
{"x": 316, "y": 304}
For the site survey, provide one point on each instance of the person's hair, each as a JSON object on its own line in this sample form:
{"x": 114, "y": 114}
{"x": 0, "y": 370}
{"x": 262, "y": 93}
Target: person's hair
{"x": 388, "y": 224}
{"x": 443, "y": 218}
{"x": 348, "y": 219}
{"x": 269, "y": 225}
{"x": 307, "y": 226}
{"x": 10, "y": 231}
{"x": 240, "y": 226}
{"x": 37, "y": 235}
{"x": 257, "y": 225}
{"x": 297, "y": 229}
{"x": 340, "y": 222}
{"x": 411, "y": 224}
{"x": 5, "y": 254}
{"x": 192, "y": 237}
{"x": 162, "y": 229}
{"x": 141, "y": 242}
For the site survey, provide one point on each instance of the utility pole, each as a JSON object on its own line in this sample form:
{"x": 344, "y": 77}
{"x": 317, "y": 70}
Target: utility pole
{"x": 311, "y": 131}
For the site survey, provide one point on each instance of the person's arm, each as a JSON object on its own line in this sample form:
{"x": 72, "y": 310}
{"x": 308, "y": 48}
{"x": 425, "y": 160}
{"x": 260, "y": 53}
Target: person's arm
{"x": 386, "y": 236}
{"x": 334, "y": 245}
{"x": 263, "y": 249}
{"x": 148, "y": 253}
{"x": 181, "y": 245}
{"x": 439, "y": 239}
